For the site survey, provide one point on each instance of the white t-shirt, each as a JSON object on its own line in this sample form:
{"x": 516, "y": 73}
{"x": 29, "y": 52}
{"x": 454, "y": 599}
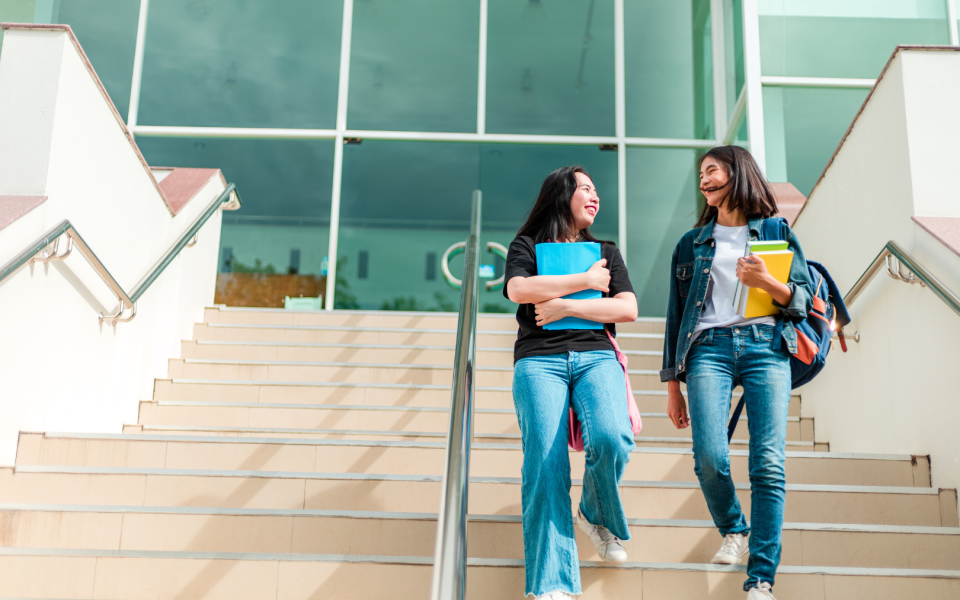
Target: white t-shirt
{"x": 718, "y": 304}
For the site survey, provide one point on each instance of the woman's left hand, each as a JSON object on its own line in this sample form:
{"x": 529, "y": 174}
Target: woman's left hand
{"x": 551, "y": 310}
{"x": 752, "y": 272}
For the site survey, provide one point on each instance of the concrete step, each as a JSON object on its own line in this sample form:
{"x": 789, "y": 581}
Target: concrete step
{"x": 411, "y": 458}
{"x": 909, "y": 506}
{"x": 384, "y": 335}
{"x": 226, "y": 576}
{"x": 443, "y": 355}
{"x": 415, "y": 436}
{"x": 412, "y": 534}
{"x": 393, "y": 418}
{"x": 343, "y": 318}
{"x": 349, "y": 372}
{"x": 648, "y": 400}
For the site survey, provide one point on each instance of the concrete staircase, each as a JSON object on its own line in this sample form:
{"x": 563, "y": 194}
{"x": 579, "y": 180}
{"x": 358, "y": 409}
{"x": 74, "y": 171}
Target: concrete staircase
{"x": 298, "y": 455}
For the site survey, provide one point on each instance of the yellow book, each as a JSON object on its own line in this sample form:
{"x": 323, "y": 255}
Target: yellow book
{"x": 755, "y": 302}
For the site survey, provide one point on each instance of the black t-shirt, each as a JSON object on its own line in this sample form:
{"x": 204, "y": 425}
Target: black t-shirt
{"x": 533, "y": 340}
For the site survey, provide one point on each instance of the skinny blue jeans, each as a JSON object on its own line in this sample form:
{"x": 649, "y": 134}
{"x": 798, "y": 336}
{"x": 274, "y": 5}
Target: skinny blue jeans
{"x": 544, "y": 387}
{"x": 719, "y": 360}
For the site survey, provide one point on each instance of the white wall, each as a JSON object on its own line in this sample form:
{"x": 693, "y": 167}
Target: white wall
{"x": 60, "y": 370}
{"x": 896, "y": 391}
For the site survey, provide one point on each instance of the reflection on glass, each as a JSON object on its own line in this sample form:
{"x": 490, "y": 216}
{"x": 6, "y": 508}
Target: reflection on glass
{"x": 802, "y": 128}
{"x": 733, "y": 43}
{"x": 669, "y": 70}
{"x": 550, "y": 67}
{"x": 107, "y": 32}
{"x": 234, "y": 63}
{"x": 276, "y": 244}
{"x": 401, "y": 202}
{"x": 404, "y": 203}
{"x": 16, "y": 12}
{"x": 413, "y": 65}
{"x": 661, "y": 207}
{"x": 804, "y": 38}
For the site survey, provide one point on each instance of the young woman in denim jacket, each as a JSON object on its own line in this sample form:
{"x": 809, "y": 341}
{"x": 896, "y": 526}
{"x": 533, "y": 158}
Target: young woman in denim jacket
{"x": 556, "y": 369}
{"x": 710, "y": 347}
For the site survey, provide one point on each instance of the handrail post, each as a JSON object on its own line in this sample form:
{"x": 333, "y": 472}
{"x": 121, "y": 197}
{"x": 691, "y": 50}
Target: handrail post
{"x": 450, "y": 555}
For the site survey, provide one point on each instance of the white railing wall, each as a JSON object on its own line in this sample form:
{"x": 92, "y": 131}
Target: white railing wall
{"x": 896, "y": 390}
{"x": 60, "y": 369}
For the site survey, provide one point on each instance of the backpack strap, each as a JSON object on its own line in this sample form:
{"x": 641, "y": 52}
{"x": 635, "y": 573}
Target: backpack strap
{"x": 732, "y": 425}
{"x": 841, "y": 314}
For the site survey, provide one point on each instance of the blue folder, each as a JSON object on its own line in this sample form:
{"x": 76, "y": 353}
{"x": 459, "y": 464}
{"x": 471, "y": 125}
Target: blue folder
{"x": 569, "y": 259}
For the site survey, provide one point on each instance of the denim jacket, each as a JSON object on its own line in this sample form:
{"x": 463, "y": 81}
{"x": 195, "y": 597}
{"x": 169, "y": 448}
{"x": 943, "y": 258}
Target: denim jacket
{"x": 690, "y": 278}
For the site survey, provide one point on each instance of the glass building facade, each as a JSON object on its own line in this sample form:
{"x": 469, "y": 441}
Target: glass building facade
{"x": 358, "y": 129}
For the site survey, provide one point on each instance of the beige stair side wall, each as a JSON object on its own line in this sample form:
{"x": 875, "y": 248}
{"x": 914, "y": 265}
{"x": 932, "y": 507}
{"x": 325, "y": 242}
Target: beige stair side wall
{"x": 895, "y": 391}
{"x": 59, "y": 137}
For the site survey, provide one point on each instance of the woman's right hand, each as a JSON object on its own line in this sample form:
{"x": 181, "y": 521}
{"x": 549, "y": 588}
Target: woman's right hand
{"x": 598, "y": 276}
{"x": 677, "y": 406}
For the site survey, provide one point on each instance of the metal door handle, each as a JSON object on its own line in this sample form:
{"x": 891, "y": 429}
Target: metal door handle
{"x": 458, "y": 248}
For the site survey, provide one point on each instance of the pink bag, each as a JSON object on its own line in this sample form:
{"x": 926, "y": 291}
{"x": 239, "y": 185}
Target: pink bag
{"x": 575, "y": 438}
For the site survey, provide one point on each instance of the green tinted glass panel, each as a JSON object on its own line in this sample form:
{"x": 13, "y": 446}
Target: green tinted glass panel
{"x": 107, "y": 32}
{"x": 413, "y": 65}
{"x": 550, "y": 67}
{"x": 803, "y": 127}
{"x": 16, "y": 11}
{"x": 511, "y": 176}
{"x": 275, "y": 245}
{"x": 733, "y": 45}
{"x": 402, "y": 201}
{"x": 237, "y": 63}
{"x": 669, "y": 71}
{"x": 843, "y": 38}
{"x": 661, "y": 207}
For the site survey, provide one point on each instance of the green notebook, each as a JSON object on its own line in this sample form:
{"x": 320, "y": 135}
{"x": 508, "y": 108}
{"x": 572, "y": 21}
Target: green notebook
{"x": 754, "y": 247}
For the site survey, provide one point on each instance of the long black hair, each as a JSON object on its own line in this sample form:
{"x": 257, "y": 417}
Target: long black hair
{"x": 551, "y": 219}
{"x": 748, "y": 190}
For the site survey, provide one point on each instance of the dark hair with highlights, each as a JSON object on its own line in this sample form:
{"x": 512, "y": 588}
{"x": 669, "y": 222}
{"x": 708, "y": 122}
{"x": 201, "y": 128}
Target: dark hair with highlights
{"x": 551, "y": 219}
{"x": 748, "y": 189}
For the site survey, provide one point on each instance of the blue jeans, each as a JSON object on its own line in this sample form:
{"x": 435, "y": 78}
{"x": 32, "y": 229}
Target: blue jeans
{"x": 544, "y": 387}
{"x": 719, "y": 360}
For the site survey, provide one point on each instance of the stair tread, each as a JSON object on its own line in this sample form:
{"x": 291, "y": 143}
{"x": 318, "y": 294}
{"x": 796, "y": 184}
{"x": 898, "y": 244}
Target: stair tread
{"x": 420, "y": 444}
{"x": 634, "y": 483}
{"x": 425, "y": 386}
{"x": 490, "y": 562}
{"x": 428, "y": 516}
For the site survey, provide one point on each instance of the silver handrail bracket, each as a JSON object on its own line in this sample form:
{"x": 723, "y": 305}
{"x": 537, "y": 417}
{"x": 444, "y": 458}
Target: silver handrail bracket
{"x": 228, "y": 200}
{"x": 892, "y": 252}
{"x": 450, "y": 556}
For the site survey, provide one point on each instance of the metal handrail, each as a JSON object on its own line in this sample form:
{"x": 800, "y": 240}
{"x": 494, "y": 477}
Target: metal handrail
{"x": 450, "y": 556}
{"x": 919, "y": 274}
{"x": 228, "y": 200}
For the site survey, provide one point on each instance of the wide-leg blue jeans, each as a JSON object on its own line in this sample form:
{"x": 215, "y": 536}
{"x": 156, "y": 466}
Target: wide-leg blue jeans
{"x": 720, "y": 359}
{"x": 544, "y": 387}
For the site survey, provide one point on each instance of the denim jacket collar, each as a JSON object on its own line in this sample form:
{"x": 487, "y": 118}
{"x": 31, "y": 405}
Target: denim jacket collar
{"x": 706, "y": 232}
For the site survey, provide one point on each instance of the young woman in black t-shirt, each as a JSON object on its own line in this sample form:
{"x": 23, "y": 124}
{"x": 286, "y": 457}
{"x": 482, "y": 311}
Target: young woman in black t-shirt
{"x": 556, "y": 369}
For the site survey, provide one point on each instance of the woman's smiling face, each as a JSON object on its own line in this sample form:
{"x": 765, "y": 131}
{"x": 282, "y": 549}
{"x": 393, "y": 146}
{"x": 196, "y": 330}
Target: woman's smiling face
{"x": 585, "y": 204}
{"x": 713, "y": 181}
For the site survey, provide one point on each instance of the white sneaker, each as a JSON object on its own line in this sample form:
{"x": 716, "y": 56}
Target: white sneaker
{"x": 732, "y": 551}
{"x": 761, "y": 592}
{"x": 557, "y": 595}
{"x": 608, "y": 545}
